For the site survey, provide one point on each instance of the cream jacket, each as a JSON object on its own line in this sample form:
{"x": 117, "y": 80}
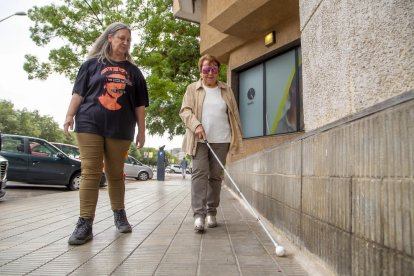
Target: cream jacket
{"x": 191, "y": 112}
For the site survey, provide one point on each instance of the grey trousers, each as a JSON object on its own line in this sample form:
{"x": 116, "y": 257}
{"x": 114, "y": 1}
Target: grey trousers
{"x": 206, "y": 178}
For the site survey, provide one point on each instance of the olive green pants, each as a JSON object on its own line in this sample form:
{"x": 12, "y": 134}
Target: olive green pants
{"x": 94, "y": 149}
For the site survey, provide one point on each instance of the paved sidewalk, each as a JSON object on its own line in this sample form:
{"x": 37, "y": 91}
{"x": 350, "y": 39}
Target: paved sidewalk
{"x": 34, "y": 234}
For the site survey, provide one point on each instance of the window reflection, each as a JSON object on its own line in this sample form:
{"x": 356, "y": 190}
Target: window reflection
{"x": 270, "y": 96}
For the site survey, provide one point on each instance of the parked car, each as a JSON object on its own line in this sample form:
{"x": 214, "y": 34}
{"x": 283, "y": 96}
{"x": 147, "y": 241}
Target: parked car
{"x": 37, "y": 161}
{"x": 173, "y": 168}
{"x": 3, "y": 175}
{"x": 70, "y": 150}
{"x": 135, "y": 169}
{"x": 176, "y": 169}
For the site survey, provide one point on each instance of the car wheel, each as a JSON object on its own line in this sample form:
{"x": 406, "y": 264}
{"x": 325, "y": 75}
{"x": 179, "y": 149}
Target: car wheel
{"x": 142, "y": 176}
{"x": 75, "y": 182}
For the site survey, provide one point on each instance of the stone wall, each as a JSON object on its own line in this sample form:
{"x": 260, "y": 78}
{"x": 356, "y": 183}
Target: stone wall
{"x": 344, "y": 192}
{"x": 351, "y": 47}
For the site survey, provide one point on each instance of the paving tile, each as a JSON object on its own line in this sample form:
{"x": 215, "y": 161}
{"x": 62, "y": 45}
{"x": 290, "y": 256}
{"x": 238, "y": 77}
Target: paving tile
{"x": 34, "y": 234}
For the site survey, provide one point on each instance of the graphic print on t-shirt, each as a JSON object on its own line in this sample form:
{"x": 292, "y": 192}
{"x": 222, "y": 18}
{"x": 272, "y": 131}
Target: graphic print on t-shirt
{"x": 115, "y": 83}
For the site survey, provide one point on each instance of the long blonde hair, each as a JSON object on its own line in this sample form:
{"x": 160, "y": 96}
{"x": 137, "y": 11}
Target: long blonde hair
{"x": 101, "y": 49}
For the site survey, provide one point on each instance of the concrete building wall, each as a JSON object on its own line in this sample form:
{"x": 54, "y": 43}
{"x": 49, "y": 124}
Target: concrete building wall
{"x": 355, "y": 54}
{"x": 344, "y": 193}
{"x": 343, "y": 190}
{"x": 286, "y": 32}
{"x": 227, "y": 25}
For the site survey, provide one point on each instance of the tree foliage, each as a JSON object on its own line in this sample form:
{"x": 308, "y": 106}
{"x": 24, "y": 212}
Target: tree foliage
{"x": 166, "y": 49}
{"x": 28, "y": 123}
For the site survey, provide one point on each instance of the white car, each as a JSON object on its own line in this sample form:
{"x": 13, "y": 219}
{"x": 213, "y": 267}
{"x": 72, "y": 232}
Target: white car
{"x": 135, "y": 169}
{"x": 176, "y": 169}
{"x": 173, "y": 168}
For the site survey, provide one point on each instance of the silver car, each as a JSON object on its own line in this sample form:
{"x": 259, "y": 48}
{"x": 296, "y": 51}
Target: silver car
{"x": 135, "y": 169}
{"x": 3, "y": 175}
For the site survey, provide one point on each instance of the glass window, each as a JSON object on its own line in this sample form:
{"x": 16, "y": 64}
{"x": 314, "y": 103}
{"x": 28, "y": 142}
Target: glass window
{"x": 300, "y": 90}
{"x": 40, "y": 148}
{"x": 280, "y": 90}
{"x": 70, "y": 151}
{"x": 12, "y": 144}
{"x": 276, "y": 104}
{"x": 251, "y": 101}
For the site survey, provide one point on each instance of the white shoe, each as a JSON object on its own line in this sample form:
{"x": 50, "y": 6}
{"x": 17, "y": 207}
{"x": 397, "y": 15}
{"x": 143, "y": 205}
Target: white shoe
{"x": 199, "y": 224}
{"x": 211, "y": 221}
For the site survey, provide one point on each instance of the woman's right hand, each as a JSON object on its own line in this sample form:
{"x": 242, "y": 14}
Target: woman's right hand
{"x": 68, "y": 124}
{"x": 74, "y": 104}
{"x": 199, "y": 131}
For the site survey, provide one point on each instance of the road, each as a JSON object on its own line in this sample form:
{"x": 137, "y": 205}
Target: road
{"x": 18, "y": 190}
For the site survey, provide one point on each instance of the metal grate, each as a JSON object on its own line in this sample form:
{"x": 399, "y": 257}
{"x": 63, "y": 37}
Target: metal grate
{"x": 3, "y": 170}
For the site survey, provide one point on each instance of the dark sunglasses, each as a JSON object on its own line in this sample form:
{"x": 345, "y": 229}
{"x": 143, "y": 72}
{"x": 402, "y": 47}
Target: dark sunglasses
{"x": 207, "y": 69}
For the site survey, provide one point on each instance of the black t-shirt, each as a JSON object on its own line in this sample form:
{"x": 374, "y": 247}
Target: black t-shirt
{"x": 111, "y": 92}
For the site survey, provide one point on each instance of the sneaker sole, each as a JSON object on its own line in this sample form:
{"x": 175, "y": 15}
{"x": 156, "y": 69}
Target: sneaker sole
{"x": 80, "y": 242}
{"x": 212, "y": 225}
{"x": 126, "y": 230}
{"x": 199, "y": 228}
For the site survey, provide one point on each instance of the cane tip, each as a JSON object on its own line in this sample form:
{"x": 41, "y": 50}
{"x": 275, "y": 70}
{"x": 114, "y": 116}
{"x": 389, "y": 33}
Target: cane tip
{"x": 280, "y": 251}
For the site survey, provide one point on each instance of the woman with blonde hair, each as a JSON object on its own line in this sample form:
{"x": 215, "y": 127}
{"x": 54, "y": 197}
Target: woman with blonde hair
{"x": 108, "y": 100}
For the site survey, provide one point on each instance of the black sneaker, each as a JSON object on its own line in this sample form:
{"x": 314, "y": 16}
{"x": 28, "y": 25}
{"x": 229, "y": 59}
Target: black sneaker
{"x": 121, "y": 221}
{"x": 82, "y": 233}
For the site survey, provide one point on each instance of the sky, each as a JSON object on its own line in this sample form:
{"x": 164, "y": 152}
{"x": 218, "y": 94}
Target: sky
{"x": 50, "y": 97}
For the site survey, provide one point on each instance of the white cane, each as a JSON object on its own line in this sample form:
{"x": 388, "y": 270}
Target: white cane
{"x": 280, "y": 250}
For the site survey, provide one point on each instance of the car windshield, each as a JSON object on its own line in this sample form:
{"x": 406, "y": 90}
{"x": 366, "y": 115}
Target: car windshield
{"x": 133, "y": 161}
{"x": 70, "y": 151}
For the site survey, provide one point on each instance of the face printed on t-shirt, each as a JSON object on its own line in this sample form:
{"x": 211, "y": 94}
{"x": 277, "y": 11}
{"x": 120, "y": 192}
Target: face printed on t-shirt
{"x": 115, "y": 83}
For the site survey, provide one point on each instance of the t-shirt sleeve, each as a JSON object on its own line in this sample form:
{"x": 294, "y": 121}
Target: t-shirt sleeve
{"x": 81, "y": 83}
{"x": 141, "y": 90}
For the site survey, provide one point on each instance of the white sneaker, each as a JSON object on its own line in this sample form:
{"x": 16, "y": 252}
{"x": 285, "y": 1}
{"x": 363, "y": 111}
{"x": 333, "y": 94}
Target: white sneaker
{"x": 199, "y": 224}
{"x": 211, "y": 221}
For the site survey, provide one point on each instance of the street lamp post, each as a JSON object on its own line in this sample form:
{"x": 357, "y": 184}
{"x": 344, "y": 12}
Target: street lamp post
{"x": 17, "y": 13}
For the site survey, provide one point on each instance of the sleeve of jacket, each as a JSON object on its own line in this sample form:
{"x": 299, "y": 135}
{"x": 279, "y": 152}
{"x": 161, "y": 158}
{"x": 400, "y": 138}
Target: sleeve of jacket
{"x": 235, "y": 109}
{"x": 187, "y": 113}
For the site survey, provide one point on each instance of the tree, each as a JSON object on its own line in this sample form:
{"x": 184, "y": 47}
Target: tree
{"x": 167, "y": 49}
{"x": 28, "y": 123}
{"x": 133, "y": 151}
{"x": 151, "y": 161}
{"x": 9, "y": 118}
